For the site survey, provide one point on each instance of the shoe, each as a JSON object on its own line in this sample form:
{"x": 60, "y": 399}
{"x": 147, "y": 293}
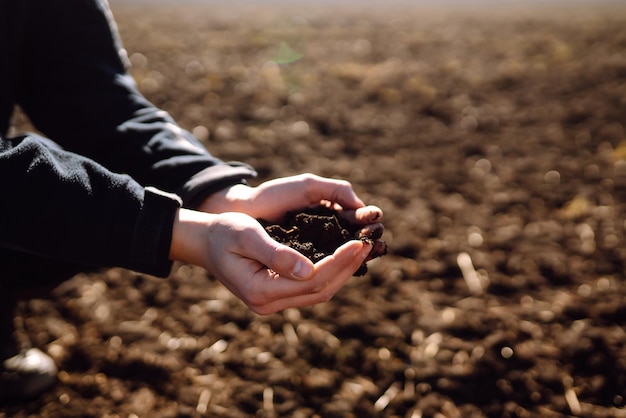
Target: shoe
{"x": 25, "y": 372}
{"x": 26, "y": 375}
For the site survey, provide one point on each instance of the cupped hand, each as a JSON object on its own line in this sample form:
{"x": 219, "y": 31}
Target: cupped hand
{"x": 271, "y": 200}
{"x": 265, "y": 275}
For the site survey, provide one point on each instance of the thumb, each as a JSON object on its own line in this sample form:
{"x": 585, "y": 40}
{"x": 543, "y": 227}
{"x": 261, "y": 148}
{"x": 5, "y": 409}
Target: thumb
{"x": 288, "y": 262}
{"x": 256, "y": 244}
{"x": 280, "y": 258}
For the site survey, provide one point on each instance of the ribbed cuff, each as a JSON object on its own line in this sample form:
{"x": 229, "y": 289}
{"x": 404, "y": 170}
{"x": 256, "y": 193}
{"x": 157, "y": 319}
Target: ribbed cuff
{"x": 213, "y": 179}
{"x": 153, "y": 232}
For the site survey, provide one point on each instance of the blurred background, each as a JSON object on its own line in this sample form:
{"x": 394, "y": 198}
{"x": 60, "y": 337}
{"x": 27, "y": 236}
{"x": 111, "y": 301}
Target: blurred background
{"x": 492, "y": 134}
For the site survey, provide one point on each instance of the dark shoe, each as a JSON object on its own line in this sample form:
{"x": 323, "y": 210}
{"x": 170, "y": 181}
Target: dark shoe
{"x": 26, "y": 375}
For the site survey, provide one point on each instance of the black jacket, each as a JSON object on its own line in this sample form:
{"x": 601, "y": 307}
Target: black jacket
{"x": 91, "y": 190}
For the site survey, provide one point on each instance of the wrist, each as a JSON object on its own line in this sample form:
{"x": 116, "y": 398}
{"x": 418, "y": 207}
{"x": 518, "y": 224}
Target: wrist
{"x": 187, "y": 224}
{"x": 229, "y": 199}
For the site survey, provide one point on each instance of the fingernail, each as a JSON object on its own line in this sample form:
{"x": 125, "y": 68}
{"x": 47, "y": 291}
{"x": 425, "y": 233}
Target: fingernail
{"x": 362, "y": 251}
{"x": 369, "y": 247}
{"x": 302, "y": 270}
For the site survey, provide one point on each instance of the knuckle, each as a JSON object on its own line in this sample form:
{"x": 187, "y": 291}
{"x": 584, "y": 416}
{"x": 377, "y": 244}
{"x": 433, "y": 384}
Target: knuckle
{"x": 309, "y": 183}
{"x": 307, "y": 177}
{"x": 261, "y": 310}
{"x": 317, "y": 289}
{"x": 256, "y": 299}
{"x": 344, "y": 183}
{"x": 274, "y": 256}
{"x": 325, "y": 296}
{"x": 322, "y": 292}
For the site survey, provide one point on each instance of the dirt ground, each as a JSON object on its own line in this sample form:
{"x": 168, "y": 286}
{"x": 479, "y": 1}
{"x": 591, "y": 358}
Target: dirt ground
{"x": 494, "y": 141}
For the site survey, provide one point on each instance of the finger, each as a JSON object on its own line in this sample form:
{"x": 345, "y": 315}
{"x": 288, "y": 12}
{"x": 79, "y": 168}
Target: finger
{"x": 255, "y": 244}
{"x": 331, "y": 269}
{"x": 286, "y": 261}
{"x": 331, "y": 274}
{"x": 372, "y": 231}
{"x": 363, "y": 216}
{"x": 331, "y": 190}
{"x": 273, "y": 198}
{"x": 279, "y": 287}
{"x": 379, "y": 248}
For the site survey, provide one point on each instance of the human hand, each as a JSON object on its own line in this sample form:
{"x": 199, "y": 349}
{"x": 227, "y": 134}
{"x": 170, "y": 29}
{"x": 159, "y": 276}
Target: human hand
{"x": 265, "y": 275}
{"x": 273, "y": 199}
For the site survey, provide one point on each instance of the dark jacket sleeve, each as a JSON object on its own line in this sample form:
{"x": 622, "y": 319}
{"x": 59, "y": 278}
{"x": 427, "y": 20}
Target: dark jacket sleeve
{"x": 85, "y": 195}
{"x": 76, "y": 90}
{"x": 63, "y": 206}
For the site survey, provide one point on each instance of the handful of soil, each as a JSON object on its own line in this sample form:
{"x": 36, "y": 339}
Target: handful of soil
{"x": 317, "y": 232}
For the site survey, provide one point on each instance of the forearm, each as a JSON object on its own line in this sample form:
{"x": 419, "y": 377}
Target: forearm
{"x": 89, "y": 104}
{"x": 62, "y": 206}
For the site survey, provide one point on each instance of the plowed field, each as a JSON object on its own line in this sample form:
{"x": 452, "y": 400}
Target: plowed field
{"x": 495, "y": 143}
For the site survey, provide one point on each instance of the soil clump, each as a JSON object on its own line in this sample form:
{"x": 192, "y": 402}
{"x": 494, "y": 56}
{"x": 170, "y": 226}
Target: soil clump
{"x": 317, "y": 232}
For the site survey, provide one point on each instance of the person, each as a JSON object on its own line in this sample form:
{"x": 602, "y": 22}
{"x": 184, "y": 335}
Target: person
{"x": 111, "y": 180}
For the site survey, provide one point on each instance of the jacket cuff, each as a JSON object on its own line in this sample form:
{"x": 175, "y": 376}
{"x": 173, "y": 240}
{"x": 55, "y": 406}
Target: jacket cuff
{"x": 213, "y": 179}
{"x": 153, "y": 233}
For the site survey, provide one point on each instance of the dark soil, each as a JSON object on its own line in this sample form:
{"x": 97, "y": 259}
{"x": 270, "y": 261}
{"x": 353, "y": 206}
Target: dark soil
{"x": 494, "y": 141}
{"x": 317, "y": 232}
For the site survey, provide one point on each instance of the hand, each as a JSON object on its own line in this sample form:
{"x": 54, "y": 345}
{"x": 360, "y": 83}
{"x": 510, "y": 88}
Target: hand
{"x": 273, "y": 199}
{"x": 265, "y": 275}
